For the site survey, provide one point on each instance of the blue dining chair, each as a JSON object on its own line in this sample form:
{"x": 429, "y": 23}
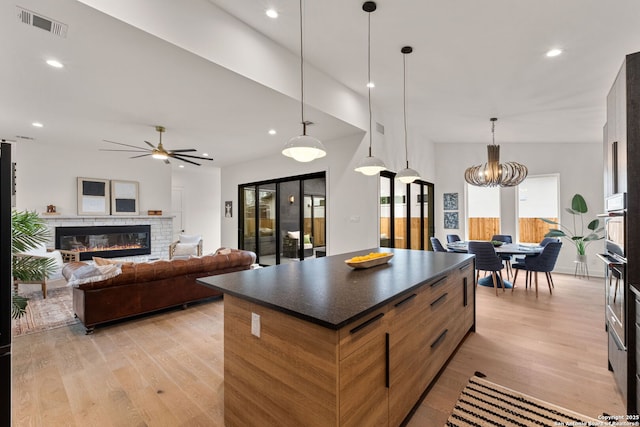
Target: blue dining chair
{"x": 506, "y": 238}
{"x": 452, "y": 238}
{"x": 436, "y": 245}
{"x": 487, "y": 260}
{"x": 545, "y": 262}
{"x": 547, "y": 240}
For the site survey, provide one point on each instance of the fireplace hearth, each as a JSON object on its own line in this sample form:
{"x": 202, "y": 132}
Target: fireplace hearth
{"x": 106, "y": 241}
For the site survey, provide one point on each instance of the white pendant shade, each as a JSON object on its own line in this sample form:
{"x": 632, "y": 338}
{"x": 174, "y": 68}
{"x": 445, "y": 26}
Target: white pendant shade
{"x": 370, "y": 165}
{"x": 407, "y": 175}
{"x": 304, "y": 148}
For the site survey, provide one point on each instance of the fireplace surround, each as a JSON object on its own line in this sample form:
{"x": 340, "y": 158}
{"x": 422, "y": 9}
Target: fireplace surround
{"x": 107, "y": 241}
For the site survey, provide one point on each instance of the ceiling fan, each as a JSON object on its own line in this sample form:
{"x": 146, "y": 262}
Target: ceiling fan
{"x": 159, "y": 152}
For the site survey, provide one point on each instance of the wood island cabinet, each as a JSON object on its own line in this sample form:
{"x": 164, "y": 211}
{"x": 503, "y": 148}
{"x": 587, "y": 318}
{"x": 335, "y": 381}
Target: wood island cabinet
{"x": 371, "y": 371}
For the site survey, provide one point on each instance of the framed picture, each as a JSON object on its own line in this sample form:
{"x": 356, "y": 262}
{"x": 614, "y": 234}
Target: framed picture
{"x": 93, "y": 196}
{"x": 228, "y": 209}
{"x": 124, "y": 197}
{"x": 451, "y": 220}
{"x": 450, "y": 201}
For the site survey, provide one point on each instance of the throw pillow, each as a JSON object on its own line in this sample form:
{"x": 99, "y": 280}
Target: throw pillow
{"x": 223, "y": 251}
{"x": 185, "y": 249}
{"x": 90, "y": 273}
{"x": 184, "y": 238}
{"x": 107, "y": 261}
{"x": 293, "y": 234}
{"x": 307, "y": 238}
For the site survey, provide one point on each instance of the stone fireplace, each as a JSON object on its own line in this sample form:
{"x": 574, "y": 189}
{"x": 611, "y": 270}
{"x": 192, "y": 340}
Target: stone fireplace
{"x": 107, "y": 241}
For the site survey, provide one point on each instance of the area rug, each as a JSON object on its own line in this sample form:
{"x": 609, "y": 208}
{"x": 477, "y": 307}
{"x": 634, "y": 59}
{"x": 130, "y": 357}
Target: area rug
{"x": 43, "y": 314}
{"x": 483, "y": 403}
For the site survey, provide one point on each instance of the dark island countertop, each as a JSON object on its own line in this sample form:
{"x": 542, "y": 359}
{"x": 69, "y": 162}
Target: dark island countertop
{"x": 328, "y": 292}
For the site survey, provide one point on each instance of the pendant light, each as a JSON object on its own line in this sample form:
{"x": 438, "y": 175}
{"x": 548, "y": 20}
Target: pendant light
{"x": 406, "y": 175}
{"x": 303, "y": 148}
{"x": 370, "y": 165}
{"x": 493, "y": 173}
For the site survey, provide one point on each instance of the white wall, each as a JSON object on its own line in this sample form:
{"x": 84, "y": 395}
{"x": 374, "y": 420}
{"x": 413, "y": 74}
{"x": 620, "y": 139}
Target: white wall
{"x": 578, "y": 165}
{"x": 48, "y": 175}
{"x": 202, "y": 208}
{"x": 352, "y": 208}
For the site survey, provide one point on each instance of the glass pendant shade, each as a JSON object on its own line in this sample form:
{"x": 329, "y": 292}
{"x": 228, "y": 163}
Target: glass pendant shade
{"x": 370, "y": 165}
{"x": 304, "y": 148}
{"x": 493, "y": 173}
{"x": 407, "y": 175}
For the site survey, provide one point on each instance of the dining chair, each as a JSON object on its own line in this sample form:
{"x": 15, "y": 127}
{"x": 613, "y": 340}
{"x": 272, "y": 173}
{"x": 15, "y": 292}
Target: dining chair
{"x": 452, "y": 238}
{"x": 545, "y": 262}
{"x": 487, "y": 260}
{"x": 436, "y": 245}
{"x": 506, "y": 238}
{"x": 547, "y": 240}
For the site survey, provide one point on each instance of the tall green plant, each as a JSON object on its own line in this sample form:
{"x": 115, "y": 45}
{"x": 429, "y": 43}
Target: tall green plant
{"x": 580, "y": 237}
{"x": 28, "y": 231}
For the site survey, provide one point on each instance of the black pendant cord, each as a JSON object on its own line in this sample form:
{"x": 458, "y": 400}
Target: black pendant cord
{"x": 493, "y": 130}
{"x": 369, "y": 82}
{"x": 404, "y": 101}
{"x": 304, "y": 125}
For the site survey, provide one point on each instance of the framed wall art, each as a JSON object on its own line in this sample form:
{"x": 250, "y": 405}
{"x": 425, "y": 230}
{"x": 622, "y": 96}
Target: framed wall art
{"x": 451, "y": 220}
{"x": 450, "y": 201}
{"x": 124, "y": 197}
{"x": 93, "y": 196}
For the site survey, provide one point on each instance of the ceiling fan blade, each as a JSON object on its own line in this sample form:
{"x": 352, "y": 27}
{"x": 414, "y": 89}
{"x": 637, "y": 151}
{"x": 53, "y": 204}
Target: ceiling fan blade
{"x": 141, "y": 155}
{"x": 150, "y": 145}
{"x": 126, "y": 145}
{"x": 185, "y": 160}
{"x": 184, "y": 150}
{"x": 192, "y": 157}
{"x": 129, "y": 151}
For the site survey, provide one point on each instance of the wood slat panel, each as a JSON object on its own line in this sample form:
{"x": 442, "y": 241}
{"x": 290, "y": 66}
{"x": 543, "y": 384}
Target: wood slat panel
{"x": 532, "y": 230}
{"x": 483, "y": 228}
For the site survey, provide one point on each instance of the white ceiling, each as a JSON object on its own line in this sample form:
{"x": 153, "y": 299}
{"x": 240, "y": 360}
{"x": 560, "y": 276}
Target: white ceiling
{"x": 472, "y": 60}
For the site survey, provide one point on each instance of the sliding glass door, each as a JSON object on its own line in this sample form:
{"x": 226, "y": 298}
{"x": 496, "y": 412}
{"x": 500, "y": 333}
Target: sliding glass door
{"x": 406, "y": 213}
{"x": 283, "y": 220}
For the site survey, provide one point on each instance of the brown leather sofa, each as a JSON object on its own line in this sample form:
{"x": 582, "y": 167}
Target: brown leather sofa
{"x": 147, "y": 287}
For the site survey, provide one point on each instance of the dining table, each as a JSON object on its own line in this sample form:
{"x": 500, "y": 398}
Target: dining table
{"x": 462, "y": 246}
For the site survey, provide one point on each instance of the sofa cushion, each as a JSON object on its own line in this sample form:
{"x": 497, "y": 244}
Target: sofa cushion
{"x": 107, "y": 261}
{"x": 185, "y": 238}
{"x": 185, "y": 249}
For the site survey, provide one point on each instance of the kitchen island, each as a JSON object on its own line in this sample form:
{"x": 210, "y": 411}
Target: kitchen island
{"x": 321, "y": 344}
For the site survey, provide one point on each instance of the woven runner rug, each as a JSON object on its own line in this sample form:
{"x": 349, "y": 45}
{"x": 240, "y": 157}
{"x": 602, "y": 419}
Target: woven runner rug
{"x": 483, "y": 403}
{"x": 43, "y": 314}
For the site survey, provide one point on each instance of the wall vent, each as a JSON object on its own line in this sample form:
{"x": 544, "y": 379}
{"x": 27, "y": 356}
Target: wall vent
{"x": 380, "y": 128}
{"x": 31, "y": 18}
{"x": 25, "y": 138}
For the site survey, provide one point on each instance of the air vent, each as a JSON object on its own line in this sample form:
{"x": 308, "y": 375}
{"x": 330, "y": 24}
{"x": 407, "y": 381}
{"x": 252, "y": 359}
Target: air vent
{"x": 379, "y": 128}
{"x": 25, "y": 138}
{"x": 31, "y": 18}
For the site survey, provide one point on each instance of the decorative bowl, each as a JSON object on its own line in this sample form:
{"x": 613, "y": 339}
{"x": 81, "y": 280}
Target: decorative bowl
{"x": 497, "y": 243}
{"x": 369, "y": 263}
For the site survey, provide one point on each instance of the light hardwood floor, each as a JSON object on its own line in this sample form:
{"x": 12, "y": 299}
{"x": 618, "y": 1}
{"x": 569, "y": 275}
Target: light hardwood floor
{"x": 167, "y": 369}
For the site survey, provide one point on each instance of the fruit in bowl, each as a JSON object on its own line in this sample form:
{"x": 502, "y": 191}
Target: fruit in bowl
{"x": 497, "y": 243}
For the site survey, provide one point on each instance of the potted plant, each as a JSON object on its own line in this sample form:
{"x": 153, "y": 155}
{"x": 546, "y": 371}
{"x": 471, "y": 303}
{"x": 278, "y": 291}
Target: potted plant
{"x": 580, "y": 237}
{"x": 28, "y": 231}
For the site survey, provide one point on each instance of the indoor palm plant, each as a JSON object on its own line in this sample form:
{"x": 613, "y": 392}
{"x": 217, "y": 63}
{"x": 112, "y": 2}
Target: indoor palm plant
{"x": 580, "y": 237}
{"x": 28, "y": 231}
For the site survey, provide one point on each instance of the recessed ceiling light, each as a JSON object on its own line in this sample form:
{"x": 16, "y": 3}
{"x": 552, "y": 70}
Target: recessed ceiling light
{"x": 54, "y": 63}
{"x": 554, "y": 52}
{"x": 205, "y": 154}
{"x": 272, "y": 13}
{"x": 371, "y": 84}
{"x": 37, "y": 124}
{"x": 180, "y": 166}
{"x": 272, "y": 132}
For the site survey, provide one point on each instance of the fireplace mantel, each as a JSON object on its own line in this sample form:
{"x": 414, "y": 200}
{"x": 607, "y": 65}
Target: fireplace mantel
{"x": 161, "y": 229}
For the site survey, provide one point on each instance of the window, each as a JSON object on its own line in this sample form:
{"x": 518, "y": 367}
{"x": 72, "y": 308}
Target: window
{"x": 483, "y": 212}
{"x": 537, "y": 198}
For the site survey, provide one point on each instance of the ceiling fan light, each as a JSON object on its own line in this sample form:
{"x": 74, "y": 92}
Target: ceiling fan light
{"x": 370, "y": 165}
{"x": 407, "y": 175}
{"x": 304, "y": 148}
{"x": 159, "y": 155}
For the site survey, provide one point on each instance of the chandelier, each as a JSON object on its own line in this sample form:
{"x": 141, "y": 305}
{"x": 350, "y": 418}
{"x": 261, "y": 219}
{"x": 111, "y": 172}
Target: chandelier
{"x": 493, "y": 173}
